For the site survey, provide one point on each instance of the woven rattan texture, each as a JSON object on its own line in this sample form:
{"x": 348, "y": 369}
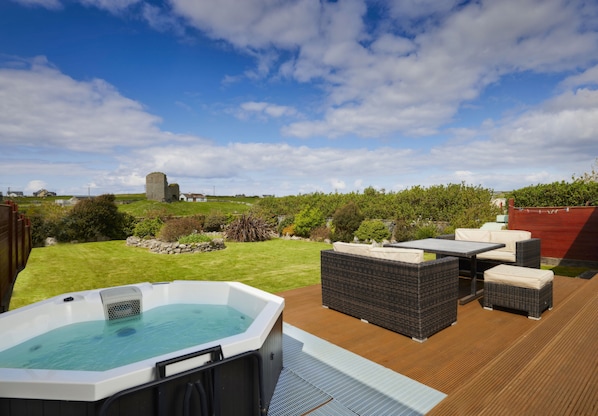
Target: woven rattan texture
{"x": 532, "y": 301}
{"x": 527, "y": 254}
{"x": 414, "y": 299}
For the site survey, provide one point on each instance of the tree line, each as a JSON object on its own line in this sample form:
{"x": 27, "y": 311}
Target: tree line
{"x": 416, "y": 212}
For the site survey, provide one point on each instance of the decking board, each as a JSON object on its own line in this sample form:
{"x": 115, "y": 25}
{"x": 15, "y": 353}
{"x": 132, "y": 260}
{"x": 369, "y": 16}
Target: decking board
{"x": 490, "y": 362}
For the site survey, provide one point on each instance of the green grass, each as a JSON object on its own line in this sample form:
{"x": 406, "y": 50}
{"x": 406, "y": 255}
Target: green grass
{"x": 144, "y": 208}
{"x": 568, "y": 271}
{"x": 274, "y": 266}
{"x": 558, "y": 270}
{"x": 138, "y": 206}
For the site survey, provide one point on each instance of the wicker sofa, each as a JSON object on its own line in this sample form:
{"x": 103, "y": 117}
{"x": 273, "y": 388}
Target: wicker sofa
{"x": 413, "y": 299}
{"x": 520, "y": 248}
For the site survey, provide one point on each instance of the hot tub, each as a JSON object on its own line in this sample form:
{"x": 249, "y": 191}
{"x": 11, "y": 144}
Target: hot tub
{"x": 238, "y": 372}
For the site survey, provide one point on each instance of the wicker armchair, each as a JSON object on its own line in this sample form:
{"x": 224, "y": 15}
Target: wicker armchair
{"x": 527, "y": 254}
{"x": 413, "y": 299}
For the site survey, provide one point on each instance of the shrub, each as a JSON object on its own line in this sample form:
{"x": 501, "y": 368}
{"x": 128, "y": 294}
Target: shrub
{"x": 215, "y": 221}
{"x": 287, "y": 223}
{"x": 475, "y": 216}
{"x": 288, "y": 230}
{"x": 307, "y": 220}
{"x": 346, "y": 221}
{"x": 95, "y": 219}
{"x": 148, "y": 228}
{"x": 582, "y": 191}
{"x": 248, "y": 228}
{"x": 176, "y": 228}
{"x": 403, "y": 230}
{"x": 46, "y": 221}
{"x": 127, "y": 224}
{"x": 195, "y": 238}
{"x": 372, "y": 230}
{"x": 426, "y": 231}
{"x": 320, "y": 233}
{"x": 158, "y": 212}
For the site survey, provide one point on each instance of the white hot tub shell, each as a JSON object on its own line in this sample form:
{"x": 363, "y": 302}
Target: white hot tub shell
{"x": 27, "y": 322}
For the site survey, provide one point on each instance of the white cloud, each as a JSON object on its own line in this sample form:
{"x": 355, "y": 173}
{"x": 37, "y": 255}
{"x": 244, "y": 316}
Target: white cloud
{"x": 276, "y": 160}
{"x": 337, "y": 184}
{"x": 48, "y": 4}
{"x": 253, "y": 24}
{"x": 378, "y": 83}
{"x": 113, "y": 6}
{"x": 585, "y": 78}
{"x": 161, "y": 20}
{"x": 34, "y": 186}
{"x": 559, "y": 135}
{"x": 264, "y": 109}
{"x": 418, "y": 9}
{"x": 40, "y": 106}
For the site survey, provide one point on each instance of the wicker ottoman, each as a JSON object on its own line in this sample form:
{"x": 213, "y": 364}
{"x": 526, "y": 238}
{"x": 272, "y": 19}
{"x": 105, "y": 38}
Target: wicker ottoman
{"x": 520, "y": 288}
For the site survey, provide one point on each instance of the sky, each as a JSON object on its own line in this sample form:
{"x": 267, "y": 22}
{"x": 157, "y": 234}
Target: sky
{"x": 288, "y": 97}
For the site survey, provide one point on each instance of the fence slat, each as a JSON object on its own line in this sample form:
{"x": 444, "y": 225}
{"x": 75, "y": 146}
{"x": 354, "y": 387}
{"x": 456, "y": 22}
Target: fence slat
{"x": 566, "y": 232}
{"x": 15, "y": 247}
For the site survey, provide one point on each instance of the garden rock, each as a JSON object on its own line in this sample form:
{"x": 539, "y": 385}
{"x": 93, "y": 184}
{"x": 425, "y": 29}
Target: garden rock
{"x": 162, "y": 247}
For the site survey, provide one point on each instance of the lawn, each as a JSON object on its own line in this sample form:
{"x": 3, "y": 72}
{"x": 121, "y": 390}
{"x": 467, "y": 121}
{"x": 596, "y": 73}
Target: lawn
{"x": 145, "y": 208}
{"x": 274, "y": 266}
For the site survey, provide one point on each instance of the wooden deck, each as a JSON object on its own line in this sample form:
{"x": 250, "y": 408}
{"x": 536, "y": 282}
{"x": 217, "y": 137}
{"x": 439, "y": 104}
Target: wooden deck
{"x": 490, "y": 362}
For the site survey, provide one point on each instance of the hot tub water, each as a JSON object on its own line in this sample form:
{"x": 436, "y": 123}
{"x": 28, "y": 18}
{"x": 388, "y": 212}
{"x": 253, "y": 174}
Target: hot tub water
{"x": 101, "y": 345}
{"x": 243, "y": 370}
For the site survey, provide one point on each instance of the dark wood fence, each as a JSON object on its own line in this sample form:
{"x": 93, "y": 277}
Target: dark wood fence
{"x": 15, "y": 246}
{"x": 569, "y": 233}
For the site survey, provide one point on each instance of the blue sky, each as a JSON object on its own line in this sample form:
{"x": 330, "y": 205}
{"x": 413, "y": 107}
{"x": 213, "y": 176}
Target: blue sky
{"x": 286, "y": 97}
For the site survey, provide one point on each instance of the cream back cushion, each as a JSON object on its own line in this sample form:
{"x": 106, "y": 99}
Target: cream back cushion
{"x": 472, "y": 234}
{"x": 349, "y": 248}
{"x": 406, "y": 255}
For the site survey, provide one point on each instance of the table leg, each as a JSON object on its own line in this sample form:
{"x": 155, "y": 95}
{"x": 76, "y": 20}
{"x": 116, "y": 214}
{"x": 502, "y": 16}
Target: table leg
{"x": 474, "y": 292}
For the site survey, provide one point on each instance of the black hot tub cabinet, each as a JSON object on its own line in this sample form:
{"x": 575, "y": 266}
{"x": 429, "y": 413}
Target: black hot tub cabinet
{"x": 207, "y": 381}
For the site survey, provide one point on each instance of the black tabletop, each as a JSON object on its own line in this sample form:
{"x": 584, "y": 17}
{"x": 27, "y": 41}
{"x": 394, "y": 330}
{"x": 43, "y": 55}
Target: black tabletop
{"x": 457, "y": 248}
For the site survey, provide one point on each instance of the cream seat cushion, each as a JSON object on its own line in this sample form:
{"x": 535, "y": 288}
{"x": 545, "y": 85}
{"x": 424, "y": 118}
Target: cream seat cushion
{"x": 498, "y": 255}
{"x": 509, "y": 238}
{"x": 518, "y": 276}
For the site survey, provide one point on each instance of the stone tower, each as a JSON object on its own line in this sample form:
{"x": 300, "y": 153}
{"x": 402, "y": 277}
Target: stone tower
{"x": 173, "y": 192}
{"x": 156, "y": 187}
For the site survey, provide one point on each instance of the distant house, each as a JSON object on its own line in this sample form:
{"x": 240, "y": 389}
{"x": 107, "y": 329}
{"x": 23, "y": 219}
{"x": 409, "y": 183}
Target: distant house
{"x": 14, "y": 194}
{"x": 190, "y": 197}
{"x": 72, "y": 201}
{"x": 42, "y": 193}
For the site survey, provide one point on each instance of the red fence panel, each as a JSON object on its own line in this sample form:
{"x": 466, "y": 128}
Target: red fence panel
{"x": 566, "y": 232}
